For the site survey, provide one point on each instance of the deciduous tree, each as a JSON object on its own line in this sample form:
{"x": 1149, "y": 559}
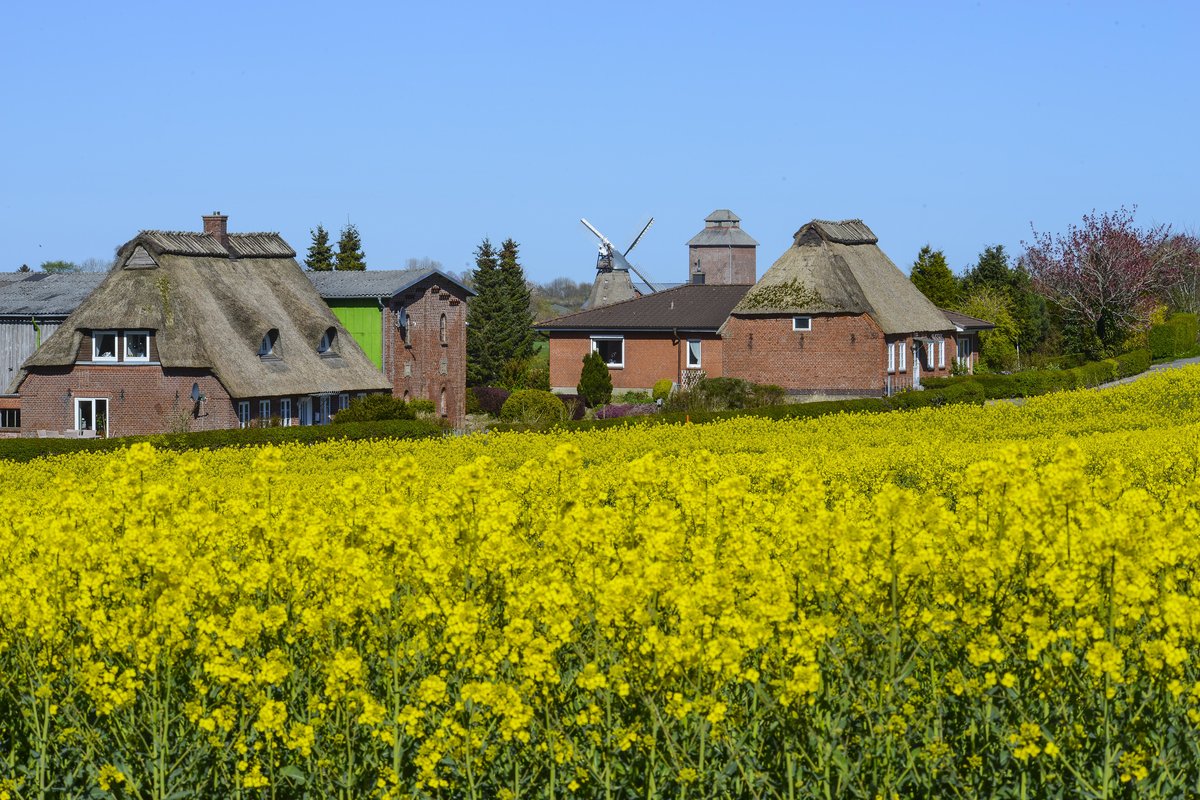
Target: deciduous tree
{"x": 320, "y": 254}
{"x": 1105, "y": 273}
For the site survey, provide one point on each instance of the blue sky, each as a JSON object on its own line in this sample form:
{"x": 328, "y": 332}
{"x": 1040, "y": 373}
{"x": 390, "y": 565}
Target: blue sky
{"x": 433, "y": 125}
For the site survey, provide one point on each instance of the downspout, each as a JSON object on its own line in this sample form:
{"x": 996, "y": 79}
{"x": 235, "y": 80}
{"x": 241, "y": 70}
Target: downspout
{"x": 678, "y": 357}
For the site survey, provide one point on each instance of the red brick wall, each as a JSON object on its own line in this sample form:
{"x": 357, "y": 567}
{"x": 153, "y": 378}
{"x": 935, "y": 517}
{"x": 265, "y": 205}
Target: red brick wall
{"x": 724, "y": 265}
{"x": 841, "y": 355}
{"x": 649, "y": 357}
{"x": 417, "y": 361}
{"x": 903, "y": 378}
{"x": 141, "y": 399}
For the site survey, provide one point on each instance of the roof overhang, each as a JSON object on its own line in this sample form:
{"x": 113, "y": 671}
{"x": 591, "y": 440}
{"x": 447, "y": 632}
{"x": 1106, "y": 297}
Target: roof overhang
{"x": 623, "y": 329}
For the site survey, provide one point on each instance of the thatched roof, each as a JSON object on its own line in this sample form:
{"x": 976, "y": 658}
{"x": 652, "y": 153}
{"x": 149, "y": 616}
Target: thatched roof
{"x": 837, "y": 267}
{"x": 210, "y": 308}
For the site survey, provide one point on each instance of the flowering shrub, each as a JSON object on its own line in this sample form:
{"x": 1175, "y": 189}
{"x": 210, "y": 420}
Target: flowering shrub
{"x": 947, "y": 602}
{"x": 490, "y": 398}
{"x": 615, "y": 410}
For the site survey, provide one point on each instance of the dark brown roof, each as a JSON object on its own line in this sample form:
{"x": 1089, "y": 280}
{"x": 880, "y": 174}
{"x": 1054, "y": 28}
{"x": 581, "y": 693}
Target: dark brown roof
{"x": 690, "y": 307}
{"x": 966, "y": 322}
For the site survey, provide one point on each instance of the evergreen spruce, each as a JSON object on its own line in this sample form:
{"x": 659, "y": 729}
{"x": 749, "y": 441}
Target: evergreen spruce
{"x": 350, "y": 254}
{"x": 483, "y": 359}
{"x": 320, "y": 254}
{"x": 992, "y": 272}
{"x": 931, "y": 274}
{"x": 595, "y": 382}
{"x": 518, "y": 331}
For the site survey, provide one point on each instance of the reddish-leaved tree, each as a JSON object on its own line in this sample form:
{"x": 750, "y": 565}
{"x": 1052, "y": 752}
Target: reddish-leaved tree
{"x": 1105, "y": 274}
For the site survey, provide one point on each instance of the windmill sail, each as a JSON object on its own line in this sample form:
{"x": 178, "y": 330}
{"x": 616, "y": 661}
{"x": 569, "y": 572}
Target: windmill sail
{"x": 613, "y": 284}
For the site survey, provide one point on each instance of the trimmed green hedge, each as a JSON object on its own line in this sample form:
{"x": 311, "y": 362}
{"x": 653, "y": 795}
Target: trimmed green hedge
{"x": 971, "y": 389}
{"x": 1173, "y": 338}
{"x": 26, "y": 449}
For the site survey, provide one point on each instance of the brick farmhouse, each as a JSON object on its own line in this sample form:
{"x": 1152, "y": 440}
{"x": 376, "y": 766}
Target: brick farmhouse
{"x": 195, "y": 331}
{"x": 412, "y": 324}
{"x": 832, "y": 317}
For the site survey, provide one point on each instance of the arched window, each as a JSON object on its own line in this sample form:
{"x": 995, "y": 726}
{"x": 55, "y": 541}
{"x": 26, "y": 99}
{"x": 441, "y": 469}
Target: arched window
{"x": 442, "y": 329}
{"x": 328, "y": 341}
{"x": 270, "y": 344}
{"x": 442, "y": 405}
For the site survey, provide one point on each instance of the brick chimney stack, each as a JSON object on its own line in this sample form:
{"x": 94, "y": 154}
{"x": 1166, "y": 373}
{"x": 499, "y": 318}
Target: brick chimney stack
{"x": 216, "y": 225}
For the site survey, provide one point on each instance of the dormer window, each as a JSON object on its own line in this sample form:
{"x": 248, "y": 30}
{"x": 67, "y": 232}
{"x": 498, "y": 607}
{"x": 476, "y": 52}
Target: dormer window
{"x": 268, "y": 348}
{"x": 104, "y": 345}
{"x": 328, "y": 341}
{"x": 137, "y": 345}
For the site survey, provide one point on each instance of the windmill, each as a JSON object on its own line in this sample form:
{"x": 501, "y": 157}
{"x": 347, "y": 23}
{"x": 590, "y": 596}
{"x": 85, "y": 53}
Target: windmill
{"x": 613, "y": 283}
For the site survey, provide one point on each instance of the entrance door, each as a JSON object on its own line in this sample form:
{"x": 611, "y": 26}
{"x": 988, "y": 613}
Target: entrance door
{"x": 306, "y": 411}
{"x": 917, "y": 353}
{"x": 323, "y": 419}
{"x": 91, "y": 414}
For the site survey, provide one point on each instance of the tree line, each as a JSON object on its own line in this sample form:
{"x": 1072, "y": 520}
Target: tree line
{"x": 1091, "y": 291}
{"x": 349, "y": 255}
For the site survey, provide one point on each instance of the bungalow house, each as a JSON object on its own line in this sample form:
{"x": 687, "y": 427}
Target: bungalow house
{"x": 833, "y": 316}
{"x": 195, "y": 331}
{"x": 412, "y": 324}
{"x": 966, "y": 334}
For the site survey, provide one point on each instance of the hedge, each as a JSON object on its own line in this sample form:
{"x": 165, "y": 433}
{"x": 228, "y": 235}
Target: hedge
{"x": 27, "y": 449}
{"x": 1174, "y": 337}
{"x": 971, "y": 389}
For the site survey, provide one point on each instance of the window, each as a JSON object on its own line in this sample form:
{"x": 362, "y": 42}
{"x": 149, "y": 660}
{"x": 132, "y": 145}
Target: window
{"x": 244, "y": 413}
{"x": 802, "y": 323}
{"x": 891, "y": 357}
{"x": 611, "y": 349}
{"x": 323, "y": 410}
{"x": 442, "y": 404}
{"x": 10, "y": 417}
{"x": 104, "y": 346}
{"x": 328, "y": 339}
{"x": 137, "y": 346}
{"x": 929, "y": 354}
{"x": 903, "y": 348}
{"x": 343, "y": 401}
{"x": 285, "y": 411}
{"x": 964, "y": 351}
{"x": 91, "y": 414}
{"x": 693, "y": 355}
{"x": 442, "y": 329}
{"x": 264, "y": 412}
{"x": 941, "y": 353}
{"x": 270, "y": 342}
{"x": 697, "y": 278}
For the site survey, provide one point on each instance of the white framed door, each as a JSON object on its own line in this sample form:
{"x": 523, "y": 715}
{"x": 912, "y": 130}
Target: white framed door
{"x": 305, "y": 408}
{"x": 91, "y": 414}
{"x": 916, "y": 361}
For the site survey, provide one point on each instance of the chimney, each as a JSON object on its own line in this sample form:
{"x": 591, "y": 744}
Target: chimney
{"x": 216, "y": 226}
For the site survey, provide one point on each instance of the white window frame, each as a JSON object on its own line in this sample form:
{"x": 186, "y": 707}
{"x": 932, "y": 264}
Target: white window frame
{"x": 285, "y": 411}
{"x": 95, "y": 350}
{"x": 903, "y": 347}
{"x": 93, "y": 401}
{"x": 941, "y": 353}
{"x": 891, "y": 357}
{"x": 243, "y": 413}
{"x": 620, "y": 339}
{"x": 343, "y": 401}
{"x": 802, "y": 324}
{"x": 125, "y": 346}
{"x": 264, "y": 411}
{"x": 699, "y": 353}
{"x": 929, "y": 353}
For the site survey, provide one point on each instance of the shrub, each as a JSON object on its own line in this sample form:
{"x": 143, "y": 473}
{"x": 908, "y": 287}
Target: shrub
{"x": 722, "y": 393}
{"x": 490, "y": 399}
{"x": 576, "y": 408}
{"x": 595, "y": 384}
{"x": 373, "y": 408}
{"x": 473, "y": 406}
{"x": 767, "y": 394}
{"x": 662, "y": 389}
{"x": 633, "y": 397}
{"x": 617, "y": 410}
{"x": 533, "y": 407}
{"x": 1174, "y": 337}
{"x": 422, "y": 406}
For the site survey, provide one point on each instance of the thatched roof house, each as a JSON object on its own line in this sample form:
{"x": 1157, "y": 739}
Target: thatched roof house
{"x": 236, "y": 307}
{"x": 838, "y": 268}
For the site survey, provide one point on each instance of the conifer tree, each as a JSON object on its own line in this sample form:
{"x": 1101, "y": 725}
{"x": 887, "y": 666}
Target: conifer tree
{"x": 320, "y": 254}
{"x": 350, "y": 254}
{"x": 499, "y": 320}
{"x": 931, "y": 274}
{"x": 595, "y": 383}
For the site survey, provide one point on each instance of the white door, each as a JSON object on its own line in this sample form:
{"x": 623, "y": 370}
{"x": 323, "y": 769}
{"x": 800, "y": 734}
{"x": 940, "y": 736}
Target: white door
{"x": 917, "y": 350}
{"x": 91, "y": 414}
{"x": 306, "y": 411}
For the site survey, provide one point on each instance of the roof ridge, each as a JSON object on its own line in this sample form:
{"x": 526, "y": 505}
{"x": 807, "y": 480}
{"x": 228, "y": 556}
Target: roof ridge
{"x": 206, "y": 233}
{"x": 623, "y": 302}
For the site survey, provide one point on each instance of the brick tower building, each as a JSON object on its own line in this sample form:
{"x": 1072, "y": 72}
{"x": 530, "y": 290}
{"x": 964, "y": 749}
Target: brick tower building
{"x": 722, "y": 253}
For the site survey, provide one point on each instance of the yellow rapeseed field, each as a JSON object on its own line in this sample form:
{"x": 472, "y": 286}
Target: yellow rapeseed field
{"x": 957, "y": 602}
